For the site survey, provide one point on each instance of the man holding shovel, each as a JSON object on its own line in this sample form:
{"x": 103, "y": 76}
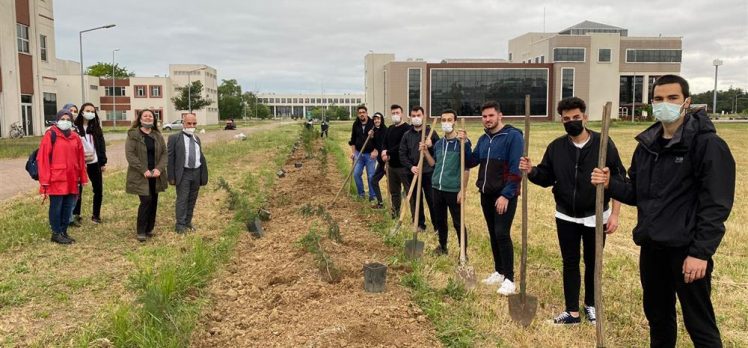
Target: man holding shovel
{"x": 397, "y": 177}
{"x": 410, "y": 154}
{"x": 498, "y": 152}
{"x": 445, "y": 180}
{"x": 368, "y": 159}
{"x": 567, "y": 162}
{"x": 682, "y": 181}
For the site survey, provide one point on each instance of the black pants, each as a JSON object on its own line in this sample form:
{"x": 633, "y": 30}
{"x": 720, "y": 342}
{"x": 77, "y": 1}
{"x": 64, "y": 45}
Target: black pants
{"x": 378, "y": 175}
{"x": 569, "y": 236}
{"x": 662, "y": 279}
{"x": 444, "y": 201}
{"x": 187, "y": 192}
{"x": 95, "y": 177}
{"x": 426, "y": 189}
{"x": 323, "y": 134}
{"x": 499, "y": 230}
{"x": 397, "y": 180}
{"x": 147, "y": 209}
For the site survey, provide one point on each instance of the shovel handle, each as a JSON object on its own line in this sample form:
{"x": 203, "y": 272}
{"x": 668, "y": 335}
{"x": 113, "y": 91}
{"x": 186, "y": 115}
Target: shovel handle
{"x": 525, "y": 220}
{"x": 350, "y": 173}
{"x": 463, "y": 259}
{"x": 419, "y": 180}
{"x": 599, "y": 232}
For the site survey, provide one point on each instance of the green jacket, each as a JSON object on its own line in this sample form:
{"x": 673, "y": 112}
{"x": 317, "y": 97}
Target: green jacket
{"x": 137, "y": 162}
{"x": 446, "y": 175}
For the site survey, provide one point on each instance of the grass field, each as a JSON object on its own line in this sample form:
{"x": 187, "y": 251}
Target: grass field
{"x": 481, "y": 318}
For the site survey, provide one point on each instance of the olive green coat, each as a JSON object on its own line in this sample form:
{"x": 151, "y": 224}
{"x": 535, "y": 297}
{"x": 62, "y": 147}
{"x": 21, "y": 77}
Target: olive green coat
{"x": 137, "y": 162}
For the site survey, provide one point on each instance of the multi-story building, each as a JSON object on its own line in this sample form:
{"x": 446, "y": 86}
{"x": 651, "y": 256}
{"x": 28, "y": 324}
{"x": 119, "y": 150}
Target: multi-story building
{"x": 28, "y": 82}
{"x": 182, "y": 74}
{"x": 298, "y": 105}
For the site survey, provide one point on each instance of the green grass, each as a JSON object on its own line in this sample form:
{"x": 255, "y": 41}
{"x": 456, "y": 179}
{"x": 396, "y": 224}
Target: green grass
{"x": 18, "y": 148}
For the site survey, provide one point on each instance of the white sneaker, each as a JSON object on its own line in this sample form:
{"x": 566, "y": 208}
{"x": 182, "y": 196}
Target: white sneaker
{"x": 493, "y": 279}
{"x": 507, "y": 288}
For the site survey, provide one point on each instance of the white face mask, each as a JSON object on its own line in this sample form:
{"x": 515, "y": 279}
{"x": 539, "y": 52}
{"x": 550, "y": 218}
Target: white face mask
{"x": 667, "y": 112}
{"x": 64, "y": 124}
{"x": 89, "y": 115}
{"x": 417, "y": 121}
{"x": 189, "y": 130}
{"x": 396, "y": 119}
{"x": 447, "y": 127}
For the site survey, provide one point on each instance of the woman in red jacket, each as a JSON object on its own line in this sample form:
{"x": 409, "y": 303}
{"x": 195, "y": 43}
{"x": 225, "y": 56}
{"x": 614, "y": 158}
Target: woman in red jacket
{"x": 62, "y": 167}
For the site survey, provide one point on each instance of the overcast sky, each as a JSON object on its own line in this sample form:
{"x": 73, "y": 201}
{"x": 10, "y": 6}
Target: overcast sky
{"x": 300, "y": 46}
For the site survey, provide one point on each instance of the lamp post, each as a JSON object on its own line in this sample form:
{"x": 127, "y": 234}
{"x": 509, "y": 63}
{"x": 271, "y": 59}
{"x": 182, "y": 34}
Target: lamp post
{"x": 80, "y": 46}
{"x": 114, "y": 100}
{"x": 716, "y": 63}
{"x": 189, "y": 86}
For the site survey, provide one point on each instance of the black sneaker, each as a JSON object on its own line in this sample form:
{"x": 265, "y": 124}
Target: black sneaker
{"x": 96, "y": 220}
{"x": 76, "y": 222}
{"x": 142, "y": 237}
{"x": 565, "y": 318}
{"x": 60, "y": 239}
{"x": 589, "y": 312}
{"x": 65, "y": 234}
{"x": 439, "y": 251}
{"x": 378, "y": 205}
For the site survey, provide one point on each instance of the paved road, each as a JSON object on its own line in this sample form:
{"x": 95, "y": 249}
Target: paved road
{"x": 19, "y": 183}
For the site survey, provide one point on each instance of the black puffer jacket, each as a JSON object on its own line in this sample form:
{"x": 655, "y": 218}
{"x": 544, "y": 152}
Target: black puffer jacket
{"x": 683, "y": 191}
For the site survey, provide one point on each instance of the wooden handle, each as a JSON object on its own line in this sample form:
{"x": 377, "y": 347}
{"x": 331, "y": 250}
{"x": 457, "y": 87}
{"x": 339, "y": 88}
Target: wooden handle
{"x": 599, "y": 232}
{"x": 523, "y": 262}
{"x": 420, "y": 179}
{"x": 464, "y": 194}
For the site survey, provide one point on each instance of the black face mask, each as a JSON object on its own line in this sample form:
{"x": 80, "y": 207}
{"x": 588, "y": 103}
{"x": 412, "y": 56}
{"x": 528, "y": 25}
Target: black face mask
{"x": 574, "y": 128}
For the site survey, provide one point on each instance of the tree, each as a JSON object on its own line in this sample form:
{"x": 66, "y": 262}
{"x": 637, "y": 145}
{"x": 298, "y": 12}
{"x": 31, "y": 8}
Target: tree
{"x": 195, "y": 91}
{"x": 230, "y": 101}
{"x": 729, "y": 101}
{"x": 102, "y": 69}
{"x": 254, "y": 107}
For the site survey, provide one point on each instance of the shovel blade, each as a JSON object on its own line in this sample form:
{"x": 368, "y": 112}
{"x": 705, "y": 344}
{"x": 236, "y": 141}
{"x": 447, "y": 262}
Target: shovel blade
{"x": 467, "y": 275}
{"x": 523, "y": 312}
{"x": 413, "y": 248}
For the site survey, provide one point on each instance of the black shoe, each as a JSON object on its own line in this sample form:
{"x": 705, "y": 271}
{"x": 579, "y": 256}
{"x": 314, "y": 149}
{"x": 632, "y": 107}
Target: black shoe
{"x": 181, "y": 230}
{"x": 75, "y": 222}
{"x": 378, "y": 205}
{"x": 96, "y": 220}
{"x": 565, "y": 318}
{"x": 439, "y": 251}
{"x": 142, "y": 237}
{"x": 589, "y": 312}
{"x": 65, "y": 234}
{"x": 149, "y": 234}
{"x": 60, "y": 239}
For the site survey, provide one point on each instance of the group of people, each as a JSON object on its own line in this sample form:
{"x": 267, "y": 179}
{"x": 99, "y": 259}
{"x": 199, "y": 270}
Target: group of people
{"x": 73, "y": 152}
{"x": 681, "y": 179}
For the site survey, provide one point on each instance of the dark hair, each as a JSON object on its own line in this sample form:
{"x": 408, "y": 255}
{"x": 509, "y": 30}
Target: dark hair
{"x": 395, "y": 106}
{"x": 450, "y": 111}
{"x": 361, "y": 107}
{"x": 94, "y": 125}
{"x": 571, "y": 103}
{"x": 418, "y": 108}
{"x": 381, "y": 118}
{"x": 490, "y": 104}
{"x": 668, "y": 79}
{"x": 136, "y": 123}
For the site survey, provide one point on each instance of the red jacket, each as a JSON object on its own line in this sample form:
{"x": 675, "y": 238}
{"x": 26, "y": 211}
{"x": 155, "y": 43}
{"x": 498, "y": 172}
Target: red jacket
{"x": 68, "y": 167}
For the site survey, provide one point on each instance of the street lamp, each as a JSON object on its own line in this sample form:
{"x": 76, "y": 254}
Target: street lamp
{"x": 114, "y": 100}
{"x": 80, "y": 45}
{"x": 189, "y": 86}
{"x": 716, "y": 63}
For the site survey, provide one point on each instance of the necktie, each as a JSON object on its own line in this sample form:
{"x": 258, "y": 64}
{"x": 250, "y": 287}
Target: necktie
{"x": 191, "y": 156}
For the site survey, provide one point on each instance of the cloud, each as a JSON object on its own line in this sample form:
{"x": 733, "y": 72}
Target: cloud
{"x": 304, "y": 46}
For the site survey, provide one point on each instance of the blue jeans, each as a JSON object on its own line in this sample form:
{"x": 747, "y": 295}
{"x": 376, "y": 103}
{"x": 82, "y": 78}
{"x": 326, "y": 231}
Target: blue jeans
{"x": 60, "y": 207}
{"x": 370, "y": 164}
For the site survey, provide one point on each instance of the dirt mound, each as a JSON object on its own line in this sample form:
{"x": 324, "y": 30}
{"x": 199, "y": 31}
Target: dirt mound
{"x": 272, "y": 293}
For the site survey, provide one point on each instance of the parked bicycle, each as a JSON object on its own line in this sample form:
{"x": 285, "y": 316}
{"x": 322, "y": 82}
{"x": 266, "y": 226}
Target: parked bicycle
{"x": 16, "y": 130}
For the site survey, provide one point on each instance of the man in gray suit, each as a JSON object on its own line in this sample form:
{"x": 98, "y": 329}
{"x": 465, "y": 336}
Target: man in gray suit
{"x": 187, "y": 170}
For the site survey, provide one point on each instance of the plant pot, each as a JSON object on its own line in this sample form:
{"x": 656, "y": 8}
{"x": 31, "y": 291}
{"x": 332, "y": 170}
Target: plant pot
{"x": 375, "y": 277}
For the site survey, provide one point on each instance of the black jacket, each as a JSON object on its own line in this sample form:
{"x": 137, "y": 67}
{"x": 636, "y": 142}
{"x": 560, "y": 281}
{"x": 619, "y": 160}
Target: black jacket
{"x": 683, "y": 191}
{"x": 392, "y": 143}
{"x": 568, "y": 168}
{"x": 379, "y": 136}
{"x": 359, "y": 132}
{"x": 409, "y": 153}
{"x": 99, "y": 143}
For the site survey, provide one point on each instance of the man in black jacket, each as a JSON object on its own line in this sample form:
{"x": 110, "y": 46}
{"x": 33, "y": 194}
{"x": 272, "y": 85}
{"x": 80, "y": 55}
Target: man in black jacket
{"x": 397, "y": 177}
{"x": 359, "y": 134}
{"x": 410, "y": 154}
{"x": 682, "y": 181}
{"x": 566, "y": 164}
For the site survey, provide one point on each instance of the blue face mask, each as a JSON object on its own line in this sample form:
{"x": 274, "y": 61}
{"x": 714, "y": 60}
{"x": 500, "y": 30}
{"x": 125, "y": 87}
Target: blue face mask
{"x": 667, "y": 112}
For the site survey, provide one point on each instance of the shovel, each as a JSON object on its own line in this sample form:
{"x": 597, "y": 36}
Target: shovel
{"x": 464, "y": 272}
{"x": 599, "y": 231}
{"x": 353, "y": 167}
{"x": 414, "y": 247}
{"x": 522, "y": 307}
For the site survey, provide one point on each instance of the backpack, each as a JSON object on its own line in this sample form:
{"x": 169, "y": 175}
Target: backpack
{"x": 32, "y": 167}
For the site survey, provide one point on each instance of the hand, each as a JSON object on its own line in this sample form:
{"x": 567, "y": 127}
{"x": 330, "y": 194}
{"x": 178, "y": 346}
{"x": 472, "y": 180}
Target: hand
{"x": 422, "y": 147}
{"x": 612, "y": 224}
{"x": 601, "y": 176}
{"x": 461, "y": 134}
{"x": 374, "y": 154}
{"x": 147, "y": 174}
{"x": 414, "y": 170}
{"x": 459, "y": 197}
{"x": 428, "y": 143}
{"x": 353, "y": 156}
{"x": 156, "y": 173}
{"x": 371, "y": 132}
{"x": 501, "y": 204}
{"x": 693, "y": 269}
{"x": 525, "y": 164}
{"x": 103, "y": 169}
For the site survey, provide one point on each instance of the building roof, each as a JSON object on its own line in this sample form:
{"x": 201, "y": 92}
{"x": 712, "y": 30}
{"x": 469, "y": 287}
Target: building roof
{"x": 589, "y": 26}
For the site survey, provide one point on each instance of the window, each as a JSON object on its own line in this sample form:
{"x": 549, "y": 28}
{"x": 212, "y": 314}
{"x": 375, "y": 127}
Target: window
{"x": 118, "y": 115}
{"x": 567, "y": 82}
{"x": 358, "y": 101}
{"x": 347, "y": 100}
{"x": 43, "y": 47}
{"x": 22, "y": 32}
{"x": 118, "y": 91}
{"x": 603, "y": 55}
{"x": 630, "y": 86}
{"x": 50, "y": 107}
{"x": 568, "y": 54}
{"x": 319, "y": 100}
{"x": 324, "y": 100}
{"x": 155, "y": 91}
{"x": 140, "y": 92}
{"x": 414, "y": 88}
{"x": 653, "y": 56}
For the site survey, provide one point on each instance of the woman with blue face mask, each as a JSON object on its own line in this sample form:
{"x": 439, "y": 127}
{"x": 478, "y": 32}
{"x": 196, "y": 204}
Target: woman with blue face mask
{"x": 62, "y": 169}
{"x": 88, "y": 127}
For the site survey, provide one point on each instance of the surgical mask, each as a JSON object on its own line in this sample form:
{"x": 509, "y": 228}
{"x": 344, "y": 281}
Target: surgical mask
{"x": 64, "y": 125}
{"x": 417, "y": 121}
{"x": 396, "y": 119}
{"x": 667, "y": 112}
{"x": 146, "y": 125}
{"x": 447, "y": 127}
{"x": 89, "y": 115}
{"x": 574, "y": 128}
{"x": 189, "y": 131}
